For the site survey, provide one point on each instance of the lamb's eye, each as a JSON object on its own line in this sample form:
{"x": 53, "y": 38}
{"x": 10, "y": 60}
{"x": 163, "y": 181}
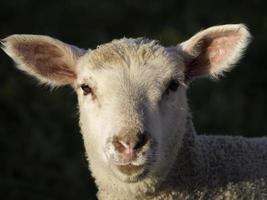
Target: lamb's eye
{"x": 86, "y": 89}
{"x": 173, "y": 85}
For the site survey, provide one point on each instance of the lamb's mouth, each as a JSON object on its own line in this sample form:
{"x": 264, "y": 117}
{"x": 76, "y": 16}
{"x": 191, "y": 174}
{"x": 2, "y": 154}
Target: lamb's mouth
{"x": 131, "y": 173}
{"x": 130, "y": 169}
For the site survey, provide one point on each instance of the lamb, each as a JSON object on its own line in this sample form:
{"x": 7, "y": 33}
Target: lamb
{"x": 134, "y": 118}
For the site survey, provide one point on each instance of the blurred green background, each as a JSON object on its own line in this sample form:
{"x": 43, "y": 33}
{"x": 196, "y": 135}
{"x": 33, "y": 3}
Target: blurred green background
{"x": 41, "y": 150}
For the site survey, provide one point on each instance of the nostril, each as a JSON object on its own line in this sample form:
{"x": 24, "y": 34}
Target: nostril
{"x": 142, "y": 140}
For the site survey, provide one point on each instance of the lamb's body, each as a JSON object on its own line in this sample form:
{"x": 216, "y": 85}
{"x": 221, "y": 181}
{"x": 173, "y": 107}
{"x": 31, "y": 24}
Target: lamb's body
{"x": 220, "y": 166}
{"x": 139, "y": 140}
{"x": 212, "y": 168}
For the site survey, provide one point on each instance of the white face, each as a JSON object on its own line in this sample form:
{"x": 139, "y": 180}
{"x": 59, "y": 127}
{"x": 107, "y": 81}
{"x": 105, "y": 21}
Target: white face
{"x": 125, "y": 102}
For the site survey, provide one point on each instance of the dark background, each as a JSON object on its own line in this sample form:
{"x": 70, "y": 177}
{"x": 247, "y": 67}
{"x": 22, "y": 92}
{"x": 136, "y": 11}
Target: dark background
{"x": 41, "y": 149}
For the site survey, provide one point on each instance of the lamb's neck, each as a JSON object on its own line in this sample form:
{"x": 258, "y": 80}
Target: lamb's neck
{"x": 187, "y": 171}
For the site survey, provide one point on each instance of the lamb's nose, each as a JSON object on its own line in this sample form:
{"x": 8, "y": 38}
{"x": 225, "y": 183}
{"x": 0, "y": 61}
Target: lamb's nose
{"x": 129, "y": 144}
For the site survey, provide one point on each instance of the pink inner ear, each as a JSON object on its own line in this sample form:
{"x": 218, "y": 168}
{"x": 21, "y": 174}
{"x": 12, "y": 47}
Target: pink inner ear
{"x": 47, "y": 60}
{"x": 212, "y": 52}
{"x": 221, "y": 47}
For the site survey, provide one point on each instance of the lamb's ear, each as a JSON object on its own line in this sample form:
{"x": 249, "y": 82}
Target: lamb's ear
{"x": 214, "y": 50}
{"x": 48, "y": 59}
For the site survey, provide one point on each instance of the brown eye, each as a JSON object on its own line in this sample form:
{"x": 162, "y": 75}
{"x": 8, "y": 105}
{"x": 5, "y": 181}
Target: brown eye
{"x": 173, "y": 85}
{"x": 86, "y": 89}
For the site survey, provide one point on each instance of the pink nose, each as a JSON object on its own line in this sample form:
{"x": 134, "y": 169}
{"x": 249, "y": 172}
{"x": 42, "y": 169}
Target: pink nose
{"x": 129, "y": 145}
{"x": 128, "y": 151}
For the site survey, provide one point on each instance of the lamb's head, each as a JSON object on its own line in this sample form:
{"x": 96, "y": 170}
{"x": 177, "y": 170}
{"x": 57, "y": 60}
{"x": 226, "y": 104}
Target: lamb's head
{"x": 131, "y": 92}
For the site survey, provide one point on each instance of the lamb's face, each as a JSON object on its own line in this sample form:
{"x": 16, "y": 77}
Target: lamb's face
{"x": 131, "y": 92}
{"x": 132, "y": 106}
